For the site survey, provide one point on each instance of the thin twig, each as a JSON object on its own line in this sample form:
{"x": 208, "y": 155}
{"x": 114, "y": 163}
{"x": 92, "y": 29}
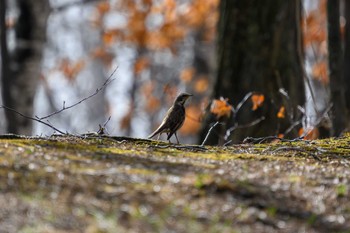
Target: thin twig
{"x": 32, "y": 118}
{"x": 209, "y": 131}
{"x": 102, "y": 128}
{"x": 48, "y": 124}
{"x": 299, "y": 149}
{"x": 104, "y": 85}
{"x": 263, "y": 139}
{"x": 190, "y": 147}
{"x": 233, "y": 128}
{"x": 290, "y": 128}
{"x": 228, "y": 143}
{"x": 243, "y": 101}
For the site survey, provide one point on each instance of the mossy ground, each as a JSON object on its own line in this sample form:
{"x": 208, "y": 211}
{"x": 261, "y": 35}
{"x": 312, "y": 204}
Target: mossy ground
{"x": 70, "y": 184}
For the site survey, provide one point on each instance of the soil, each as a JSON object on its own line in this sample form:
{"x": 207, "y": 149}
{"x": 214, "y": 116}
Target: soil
{"x": 115, "y": 184}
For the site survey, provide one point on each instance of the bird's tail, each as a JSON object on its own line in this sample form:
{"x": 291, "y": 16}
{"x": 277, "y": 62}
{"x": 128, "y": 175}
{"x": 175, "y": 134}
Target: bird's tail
{"x": 157, "y": 131}
{"x": 152, "y": 135}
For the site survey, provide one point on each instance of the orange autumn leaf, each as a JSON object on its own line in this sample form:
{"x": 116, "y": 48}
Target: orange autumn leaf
{"x": 257, "y": 100}
{"x": 221, "y": 108}
{"x": 170, "y": 4}
{"x": 141, "y": 64}
{"x": 147, "y": 2}
{"x": 314, "y": 25}
{"x": 173, "y": 31}
{"x": 102, "y": 54}
{"x": 169, "y": 12}
{"x": 201, "y": 85}
{"x": 282, "y": 112}
{"x": 148, "y": 88}
{"x": 309, "y": 134}
{"x": 70, "y": 69}
{"x": 319, "y": 71}
{"x": 157, "y": 40}
{"x": 170, "y": 90}
{"x": 108, "y": 37}
{"x": 103, "y": 7}
{"x": 152, "y": 104}
{"x": 186, "y": 74}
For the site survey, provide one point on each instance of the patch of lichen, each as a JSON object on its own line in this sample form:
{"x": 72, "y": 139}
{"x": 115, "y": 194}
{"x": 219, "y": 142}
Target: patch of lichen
{"x": 75, "y": 184}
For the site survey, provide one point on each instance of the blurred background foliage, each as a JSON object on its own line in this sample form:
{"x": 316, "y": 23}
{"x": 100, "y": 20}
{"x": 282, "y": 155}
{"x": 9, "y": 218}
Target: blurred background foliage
{"x": 255, "y": 69}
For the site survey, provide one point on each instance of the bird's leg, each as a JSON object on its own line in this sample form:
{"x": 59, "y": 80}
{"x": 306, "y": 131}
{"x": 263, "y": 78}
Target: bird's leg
{"x": 169, "y": 138}
{"x": 177, "y": 139}
{"x": 158, "y": 137}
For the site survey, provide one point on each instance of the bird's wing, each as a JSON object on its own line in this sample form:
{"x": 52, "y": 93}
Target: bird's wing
{"x": 176, "y": 118}
{"x": 164, "y": 125}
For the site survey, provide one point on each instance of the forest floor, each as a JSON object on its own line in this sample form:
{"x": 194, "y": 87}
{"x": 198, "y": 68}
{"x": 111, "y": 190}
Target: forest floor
{"x": 113, "y": 184}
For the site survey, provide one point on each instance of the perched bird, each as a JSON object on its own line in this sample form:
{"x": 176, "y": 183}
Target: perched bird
{"x": 174, "y": 118}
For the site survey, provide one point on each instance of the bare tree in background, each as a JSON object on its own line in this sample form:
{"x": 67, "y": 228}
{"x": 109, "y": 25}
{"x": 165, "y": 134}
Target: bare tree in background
{"x": 21, "y": 66}
{"x": 335, "y": 63}
{"x": 346, "y": 65}
{"x": 259, "y": 49}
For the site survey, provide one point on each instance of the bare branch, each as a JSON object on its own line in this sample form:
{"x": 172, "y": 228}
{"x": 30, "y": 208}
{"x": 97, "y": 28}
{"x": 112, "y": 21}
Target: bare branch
{"x": 209, "y": 132}
{"x": 236, "y": 126}
{"x": 189, "y": 147}
{"x": 104, "y": 85}
{"x": 264, "y": 139}
{"x": 32, "y": 118}
{"x": 48, "y": 124}
{"x": 290, "y": 128}
{"x": 243, "y": 101}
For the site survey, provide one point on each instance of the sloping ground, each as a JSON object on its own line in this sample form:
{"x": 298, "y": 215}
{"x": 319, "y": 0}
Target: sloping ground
{"x": 69, "y": 184}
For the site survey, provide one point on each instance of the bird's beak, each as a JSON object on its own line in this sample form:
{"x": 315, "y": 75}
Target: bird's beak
{"x": 188, "y": 96}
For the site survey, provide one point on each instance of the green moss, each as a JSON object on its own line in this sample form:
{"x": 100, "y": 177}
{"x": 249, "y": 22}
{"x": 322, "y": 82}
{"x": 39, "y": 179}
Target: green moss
{"x": 103, "y": 184}
{"x": 342, "y": 190}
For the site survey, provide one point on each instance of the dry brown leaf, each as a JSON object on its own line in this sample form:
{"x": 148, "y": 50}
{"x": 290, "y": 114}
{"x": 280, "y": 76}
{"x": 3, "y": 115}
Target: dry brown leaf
{"x": 257, "y": 101}
{"x": 221, "y": 108}
{"x": 281, "y": 113}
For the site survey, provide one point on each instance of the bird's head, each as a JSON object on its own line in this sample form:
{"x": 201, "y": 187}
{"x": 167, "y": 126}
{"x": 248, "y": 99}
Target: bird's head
{"x": 181, "y": 99}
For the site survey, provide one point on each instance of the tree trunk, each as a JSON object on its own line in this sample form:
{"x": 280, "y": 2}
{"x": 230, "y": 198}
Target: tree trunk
{"x": 335, "y": 68}
{"x": 259, "y": 51}
{"x": 5, "y": 71}
{"x": 24, "y": 64}
{"x": 346, "y": 79}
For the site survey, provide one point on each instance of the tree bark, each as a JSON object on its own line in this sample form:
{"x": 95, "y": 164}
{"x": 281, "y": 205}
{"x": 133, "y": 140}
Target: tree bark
{"x": 24, "y": 64}
{"x": 258, "y": 52}
{"x": 5, "y": 71}
{"x": 346, "y": 79}
{"x": 335, "y": 63}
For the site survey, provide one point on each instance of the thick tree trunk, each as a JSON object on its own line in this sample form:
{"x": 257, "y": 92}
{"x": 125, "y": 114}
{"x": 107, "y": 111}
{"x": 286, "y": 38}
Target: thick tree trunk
{"x": 346, "y": 66}
{"x": 259, "y": 51}
{"x": 24, "y": 64}
{"x": 335, "y": 68}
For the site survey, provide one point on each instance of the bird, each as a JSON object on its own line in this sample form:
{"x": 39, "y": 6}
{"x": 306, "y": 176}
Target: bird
{"x": 174, "y": 118}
